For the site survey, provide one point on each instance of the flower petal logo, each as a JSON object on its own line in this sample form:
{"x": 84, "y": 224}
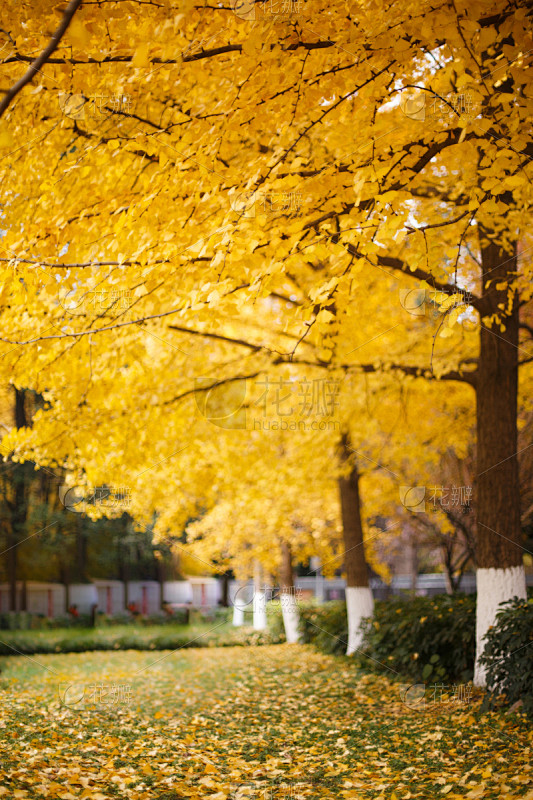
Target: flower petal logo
{"x": 262, "y": 789}
{"x": 71, "y": 695}
{"x": 413, "y": 301}
{"x": 413, "y": 103}
{"x": 244, "y": 597}
{"x": 72, "y": 105}
{"x": 71, "y": 302}
{"x": 243, "y": 204}
{"x": 222, "y": 403}
{"x": 413, "y": 498}
{"x": 413, "y": 695}
{"x": 244, "y": 9}
{"x": 73, "y": 498}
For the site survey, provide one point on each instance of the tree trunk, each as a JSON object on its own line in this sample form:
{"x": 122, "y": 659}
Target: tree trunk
{"x": 239, "y": 602}
{"x": 24, "y": 596}
{"x": 123, "y": 560}
{"x": 500, "y": 573}
{"x": 259, "y": 601}
{"x": 448, "y": 580}
{"x": 81, "y": 550}
{"x": 289, "y": 607}
{"x": 160, "y": 567}
{"x": 413, "y": 562}
{"x": 19, "y": 508}
{"x": 224, "y": 599}
{"x": 446, "y": 550}
{"x": 12, "y": 570}
{"x": 359, "y": 600}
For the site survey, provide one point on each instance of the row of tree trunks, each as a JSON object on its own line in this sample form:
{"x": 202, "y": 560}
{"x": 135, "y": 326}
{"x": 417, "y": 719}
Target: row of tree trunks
{"x": 287, "y": 598}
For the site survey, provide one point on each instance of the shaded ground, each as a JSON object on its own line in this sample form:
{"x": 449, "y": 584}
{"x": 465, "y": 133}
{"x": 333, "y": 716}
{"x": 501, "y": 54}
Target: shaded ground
{"x": 264, "y": 723}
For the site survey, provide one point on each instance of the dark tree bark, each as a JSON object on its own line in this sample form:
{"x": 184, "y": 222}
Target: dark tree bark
{"x": 81, "y": 550}
{"x": 286, "y": 573}
{"x": 413, "y": 562}
{"x": 24, "y": 596}
{"x": 224, "y": 600}
{"x": 123, "y": 561}
{"x": 160, "y": 572}
{"x": 498, "y": 542}
{"x": 500, "y": 572}
{"x": 287, "y": 593}
{"x": 354, "y": 551}
{"x": 359, "y": 600}
{"x": 19, "y": 503}
{"x": 498, "y": 488}
{"x": 12, "y": 558}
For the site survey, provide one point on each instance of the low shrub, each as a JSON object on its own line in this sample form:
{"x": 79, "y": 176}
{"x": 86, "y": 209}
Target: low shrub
{"x": 276, "y": 627}
{"x": 429, "y": 639}
{"x": 174, "y": 642}
{"x": 507, "y": 656}
{"x": 15, "y": 621}
{"x": 326, "y": 626}
{"x": 425, "y": 639}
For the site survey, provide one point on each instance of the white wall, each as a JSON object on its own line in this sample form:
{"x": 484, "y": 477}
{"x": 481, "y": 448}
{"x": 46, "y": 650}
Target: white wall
{"x": 146, "y": 595}
{"x": 205, "y": 592}
{"x": 177, "y": 592}
{"x": 83, "y": 596}
{"x": 111, "y": 596}
{"x": 38, "y": 597}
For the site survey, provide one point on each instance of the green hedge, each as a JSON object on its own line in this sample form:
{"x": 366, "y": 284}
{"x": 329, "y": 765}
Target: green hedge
{"x": 24, "y": 620}
{"x": 325, "y": 626}
{"x": 508, "y": 657}
{"x": 424, "y": 638}
{"x": 140, "y": 638}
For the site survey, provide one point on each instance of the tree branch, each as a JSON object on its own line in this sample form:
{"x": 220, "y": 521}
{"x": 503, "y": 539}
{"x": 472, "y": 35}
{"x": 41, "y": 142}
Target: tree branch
{"x": 215, "y": 51}
{"x": 230, "y": 340}
{"x": 43, "y": 58}
{"x": 400, "y": 266}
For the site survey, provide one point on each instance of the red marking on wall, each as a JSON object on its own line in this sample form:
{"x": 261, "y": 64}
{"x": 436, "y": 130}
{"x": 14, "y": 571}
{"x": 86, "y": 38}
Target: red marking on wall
{"x": 145, "y": 600}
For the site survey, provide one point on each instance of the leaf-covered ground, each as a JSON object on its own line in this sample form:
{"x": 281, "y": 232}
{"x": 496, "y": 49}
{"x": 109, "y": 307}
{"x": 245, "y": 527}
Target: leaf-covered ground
{"x": 271, "y": 722}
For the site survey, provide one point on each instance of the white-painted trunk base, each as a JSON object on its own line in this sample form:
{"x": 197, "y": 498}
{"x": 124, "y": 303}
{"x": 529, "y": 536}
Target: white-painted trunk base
{"x": 291, "y": 617}
{"x": 494, "y": 586}
{"x": 238, "y": 615}
{"x": 359, "y": 604}
{"x": 259, "y": 611}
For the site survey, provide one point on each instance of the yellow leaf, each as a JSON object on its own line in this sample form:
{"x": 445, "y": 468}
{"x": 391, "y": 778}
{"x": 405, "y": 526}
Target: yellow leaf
{"x": 78, "y": 33}
{"x": 6, "y": 139}
{"x": 462, "y": 81}
{"x": 140, "y": 57}
{"x": 477, "y": 791}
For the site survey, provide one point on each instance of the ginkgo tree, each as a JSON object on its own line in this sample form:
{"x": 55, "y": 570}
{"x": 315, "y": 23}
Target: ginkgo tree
{"x": 186, "y": 163}
{"x": 267, "y": 518}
